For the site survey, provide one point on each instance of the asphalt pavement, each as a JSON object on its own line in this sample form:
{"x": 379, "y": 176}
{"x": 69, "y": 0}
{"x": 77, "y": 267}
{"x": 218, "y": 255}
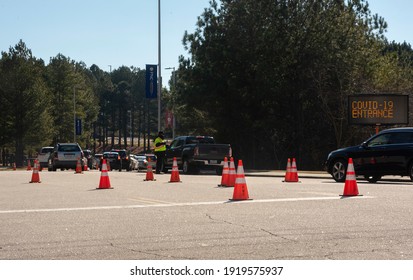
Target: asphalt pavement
{"x": 66, "y": 217}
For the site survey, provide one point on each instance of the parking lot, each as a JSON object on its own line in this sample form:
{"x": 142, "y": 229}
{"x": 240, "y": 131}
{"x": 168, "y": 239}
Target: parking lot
{"x": 66, "y": 217}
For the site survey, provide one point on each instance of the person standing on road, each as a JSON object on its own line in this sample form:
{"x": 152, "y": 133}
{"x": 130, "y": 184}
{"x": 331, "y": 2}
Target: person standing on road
{"x": 160, "y": 149}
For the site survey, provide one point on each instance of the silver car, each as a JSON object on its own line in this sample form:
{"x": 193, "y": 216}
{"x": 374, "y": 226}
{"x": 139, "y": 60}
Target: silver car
{"x": 144, "y": 160}
{"x": 65, "y": 156}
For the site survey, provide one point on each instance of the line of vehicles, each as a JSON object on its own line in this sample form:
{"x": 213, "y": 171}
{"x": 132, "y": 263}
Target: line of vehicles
{"x": 389, "y": 152}
{"x": 193, "y": 153}
{"x": 65, "y": 156}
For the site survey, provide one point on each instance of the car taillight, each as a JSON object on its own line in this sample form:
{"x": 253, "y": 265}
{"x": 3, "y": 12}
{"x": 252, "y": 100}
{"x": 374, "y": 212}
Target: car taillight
{"x": 196, "y": 151}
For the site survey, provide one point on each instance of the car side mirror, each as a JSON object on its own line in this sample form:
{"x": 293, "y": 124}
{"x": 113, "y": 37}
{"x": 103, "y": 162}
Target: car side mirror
{"x": 364, "y": 145}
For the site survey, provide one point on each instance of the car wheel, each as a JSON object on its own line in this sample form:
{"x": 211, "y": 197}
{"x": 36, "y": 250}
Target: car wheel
{"x": 185, "y": 167}
{"x": 338, "y": 170}
{"x": 411, "y": 171}
{"x": 372, "y": 178}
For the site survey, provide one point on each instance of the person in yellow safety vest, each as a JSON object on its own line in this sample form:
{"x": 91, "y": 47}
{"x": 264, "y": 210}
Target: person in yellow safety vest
{"x": 160, "y": 149}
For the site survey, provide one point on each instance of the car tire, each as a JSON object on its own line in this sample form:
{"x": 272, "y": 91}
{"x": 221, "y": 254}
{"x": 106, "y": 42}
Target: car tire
{"x": 185, "y": 167}
{"x": 338, "y": 170}
{"x": 372, "y": 178}
{"x": 411, "y": 171}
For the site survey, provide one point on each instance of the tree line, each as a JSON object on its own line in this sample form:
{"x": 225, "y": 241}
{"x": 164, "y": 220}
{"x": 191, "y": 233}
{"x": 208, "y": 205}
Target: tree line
{"x": 40, "y": 103}
{"x": 270, "y": 77}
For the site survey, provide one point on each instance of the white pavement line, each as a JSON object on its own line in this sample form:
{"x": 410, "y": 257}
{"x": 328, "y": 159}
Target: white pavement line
{"x": 178, "y": 204}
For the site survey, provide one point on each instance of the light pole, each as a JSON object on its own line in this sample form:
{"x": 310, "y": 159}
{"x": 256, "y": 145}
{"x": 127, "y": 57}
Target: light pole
{"x": 173, "y": 106}
{"x": 159, "y": 66}
{"x": 74, "y": 114}
{"x": 130, "y": 128}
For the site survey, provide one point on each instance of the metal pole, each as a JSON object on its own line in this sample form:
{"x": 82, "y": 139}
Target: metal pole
{"x": 159, "y": 66}
{"x": 74, "y": 114}
{"x": 173, "y": 88}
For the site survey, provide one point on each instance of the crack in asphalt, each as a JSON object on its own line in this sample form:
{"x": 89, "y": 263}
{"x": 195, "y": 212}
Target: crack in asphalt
{"x": 245, "y": 226}
{"x": 148, "y": 253}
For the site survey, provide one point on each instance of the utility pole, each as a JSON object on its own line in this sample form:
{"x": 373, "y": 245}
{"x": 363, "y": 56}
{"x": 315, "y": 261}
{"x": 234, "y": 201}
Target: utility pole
{"x": 159, "y": 66}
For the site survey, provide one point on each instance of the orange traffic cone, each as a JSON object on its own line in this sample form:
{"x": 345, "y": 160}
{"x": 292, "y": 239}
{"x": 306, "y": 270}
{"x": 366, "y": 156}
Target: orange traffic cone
{"x": 288, "y": 171}
{"x": 149, "y": 172}
{"x": 231, "y": 173}
{"x": 225, "y": 174}
{"x": 294, "y": 173}
{"x": 85, "y": 167}
{"x": 350, "y": 186}
{"x": 291, "y": 175}
{"x": 78, "y": 167}
{"x": 29, "y": 166}
{"x": 104, "y": 177}
{"x": 175, "y": 172}
{"x": 240, "y": 188}
{"x": 35, "y": 174}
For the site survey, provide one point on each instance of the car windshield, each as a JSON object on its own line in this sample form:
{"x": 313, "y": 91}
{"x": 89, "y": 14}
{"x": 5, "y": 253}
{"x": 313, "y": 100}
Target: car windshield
{"x": 69, "y": 148}
{"x": 195, "y": 140}
{"x": 121, "y": 153}
{"x": 46, "y": 150}
{"x": 110, "y": 155}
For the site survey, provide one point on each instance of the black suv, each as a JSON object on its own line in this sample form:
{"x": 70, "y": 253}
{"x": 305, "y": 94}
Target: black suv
{"x": 124, "y": 161}
{"x": 389, "y": 152}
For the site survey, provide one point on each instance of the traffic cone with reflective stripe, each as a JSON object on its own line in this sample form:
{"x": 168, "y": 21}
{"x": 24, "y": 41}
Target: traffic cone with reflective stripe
{"x": 350, "y": 186}
{"x": 35, "y": 174}
{"x": 231, "y": 173}
{"x": 175, "y": 172}
{"x": 225, "y": 173}
{"x": 78, "y": 167}
{"x": 85, "y": 167}
{"x": 288, "y": 171}
{"x": 240, "y": 187}
{"x": 293, "y": 173}
{"x": 149, "y": 172}
{"x": 104, "y": 182}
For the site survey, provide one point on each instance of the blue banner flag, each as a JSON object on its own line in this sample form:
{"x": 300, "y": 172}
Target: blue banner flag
{"x": 151, "y": 81}
{"x": 78, "y": 127}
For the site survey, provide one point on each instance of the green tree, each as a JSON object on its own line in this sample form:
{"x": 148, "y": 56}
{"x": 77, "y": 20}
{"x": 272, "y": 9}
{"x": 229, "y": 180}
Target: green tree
{"x": 24, "y": 101}
{"x": 272, "y": 77}
{"x": 72, "y": 89}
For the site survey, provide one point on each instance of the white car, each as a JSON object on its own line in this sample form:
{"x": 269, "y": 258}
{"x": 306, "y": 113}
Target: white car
{"x": 134, "y": 164}
{"x": 44, "y": 155}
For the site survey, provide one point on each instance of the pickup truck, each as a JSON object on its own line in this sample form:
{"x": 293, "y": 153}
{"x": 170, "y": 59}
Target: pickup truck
{"x": 196, "y": 152}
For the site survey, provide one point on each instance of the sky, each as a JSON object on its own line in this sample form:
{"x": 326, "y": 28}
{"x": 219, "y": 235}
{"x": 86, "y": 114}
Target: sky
{"x": 111, "y": 33}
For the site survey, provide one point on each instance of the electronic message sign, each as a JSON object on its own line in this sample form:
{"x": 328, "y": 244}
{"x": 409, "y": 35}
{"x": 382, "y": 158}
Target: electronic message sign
{"x": 378, "y": 109}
